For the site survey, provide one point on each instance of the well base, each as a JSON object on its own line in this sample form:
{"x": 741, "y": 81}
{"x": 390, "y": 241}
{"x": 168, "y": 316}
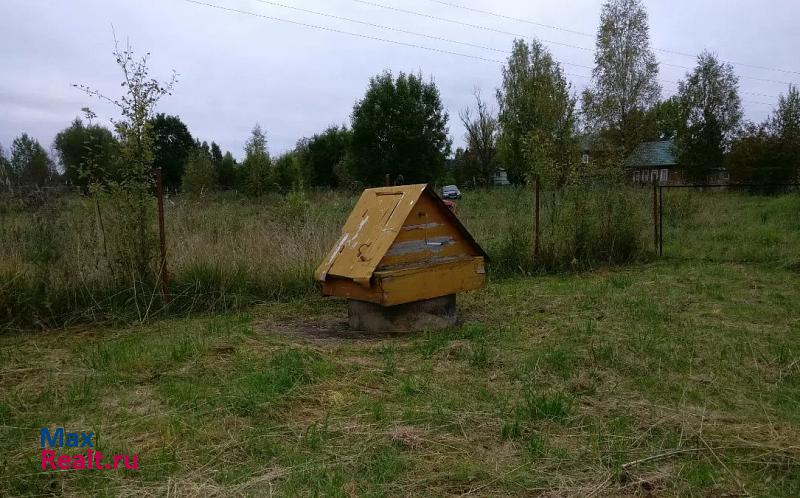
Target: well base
{"x": 429, "y": 314}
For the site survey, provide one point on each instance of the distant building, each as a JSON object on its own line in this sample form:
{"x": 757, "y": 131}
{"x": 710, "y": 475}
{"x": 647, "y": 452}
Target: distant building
{"x": 654, "y": 161}
{"x": 500, "y": 178}
{"x": 658, "y": 161}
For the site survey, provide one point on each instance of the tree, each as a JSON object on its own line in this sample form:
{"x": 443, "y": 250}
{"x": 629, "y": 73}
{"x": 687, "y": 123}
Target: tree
{"x": 769, "y": 153}
{"x": 665, "y": 119}
{"x": 712, "y": 113}
{"x": 399, "y": 128}
{"x": 785, "y": 125}
{"x": 467, "y": 168}
{"x": 754, "y": 156}
{"x": 87, "y": 153}
{"x": 624, "y": 80}
{"x": 226, "y": 174}
{"x": 537, "y": 116}
{"x": 5, "y": 170}
{"x": 321, "y": 154}
{"x": 29, "y": 164}
{"x": 137, "y": 107}
{"x": 198, "y": 176}
{"x": 287, "y": 171}
{"x": 137, "y": 151}
{"x": 173, "y": 146}
{"x": 481, "y": 133}
{"x": 256, "y": 165}
{"x": 216, "y": 159}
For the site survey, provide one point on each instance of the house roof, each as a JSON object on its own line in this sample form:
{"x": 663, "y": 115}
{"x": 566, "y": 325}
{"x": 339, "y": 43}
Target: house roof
{"x": 372, "y": 228}
{"x": 652, "y": 155}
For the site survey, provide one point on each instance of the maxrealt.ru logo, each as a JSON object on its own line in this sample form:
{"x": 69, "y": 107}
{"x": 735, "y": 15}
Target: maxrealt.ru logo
{"x": 90, "y": 460}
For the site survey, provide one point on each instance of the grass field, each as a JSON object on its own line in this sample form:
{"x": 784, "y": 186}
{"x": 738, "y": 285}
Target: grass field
{"x": 677, "y": 376}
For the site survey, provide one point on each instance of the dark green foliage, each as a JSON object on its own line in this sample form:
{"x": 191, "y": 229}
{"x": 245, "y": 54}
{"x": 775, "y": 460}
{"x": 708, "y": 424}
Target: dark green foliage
{"x": 712, "y": 113}
{"x": 399, "y": 128}
{"x": 665, "y": 119}
{"x": 624, "y": 81}
{"x": 5, "y": 170}
{"x": 537, "y": 116}
{"x": 87, "y": 153}
{"x": 173, "y": 145}
{"x": 226, "y": 174}
{"x": 770, "y": 152}
{"x": 756, "y": 156}
{"x": 29, "y": 164}
{"x": 287, "y": 171}
{"x": 198, "y": 176}
{"x": 478, "y": 162}
{"x": 322, "y": 153}
{"x": 255, "y": 171}
{"x": 216, "y": 155}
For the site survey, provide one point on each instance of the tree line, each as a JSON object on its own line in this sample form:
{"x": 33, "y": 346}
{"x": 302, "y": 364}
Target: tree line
{"x": 400, "y": 128}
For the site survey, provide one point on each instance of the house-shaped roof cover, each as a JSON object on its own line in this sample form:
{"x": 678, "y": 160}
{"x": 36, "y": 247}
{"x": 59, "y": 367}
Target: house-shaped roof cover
{"x": 371, "y": 229}
{"x": 652, "y": 155}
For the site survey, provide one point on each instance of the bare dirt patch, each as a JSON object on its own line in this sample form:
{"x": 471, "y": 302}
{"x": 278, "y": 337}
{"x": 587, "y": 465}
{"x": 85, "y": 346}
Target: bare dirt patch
{"x": 325, "y": 329}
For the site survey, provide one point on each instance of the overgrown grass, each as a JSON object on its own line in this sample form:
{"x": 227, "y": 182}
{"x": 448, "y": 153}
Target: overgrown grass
{"x": 676, "y": 378}
{"x": 63, "y": 262}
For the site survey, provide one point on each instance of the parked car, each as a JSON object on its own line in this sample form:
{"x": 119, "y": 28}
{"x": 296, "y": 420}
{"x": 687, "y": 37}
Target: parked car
{"x": 451, "y": 192}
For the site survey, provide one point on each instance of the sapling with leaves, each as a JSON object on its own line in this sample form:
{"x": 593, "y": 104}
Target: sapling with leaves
{"x": 130, "y": 195}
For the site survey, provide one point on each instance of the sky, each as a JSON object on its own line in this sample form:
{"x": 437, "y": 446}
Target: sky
{"x": 237, "y": 69}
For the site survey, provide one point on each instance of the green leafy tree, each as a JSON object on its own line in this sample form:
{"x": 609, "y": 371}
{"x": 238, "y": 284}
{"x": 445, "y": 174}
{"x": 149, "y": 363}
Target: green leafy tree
{"x": 482, "y": 129}
{"x": 87, "y": 153}
{"x": 173, "y": 145}
{"x": 537, "y": 116}
{"x": 665, "y": 119}
{"x": 712, "y": 114}
{"x": 399, "y": 128}
{"x": 769, "y": 153}
{"x": 467, "y": 168}
{"x": 30, "y": 164}
{"x": 624, "y": 80}
{"x": 198, "y": 176}
{"x": 131, "y": 195}
{"x": 755, "y": 156}
{"x": 785, "y": 125}
{"x": 287, "y": 171}
{"x": 216, "y": 158}
{"x": 256, "y": 165}
{"x": 322, "y": 153}
{"x": 5, "y": 170}
{"x": 137, "y": 106}
{"x": 226, "y": 173}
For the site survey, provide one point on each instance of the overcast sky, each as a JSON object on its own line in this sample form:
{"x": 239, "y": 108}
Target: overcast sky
{"x": 238, "y": 69}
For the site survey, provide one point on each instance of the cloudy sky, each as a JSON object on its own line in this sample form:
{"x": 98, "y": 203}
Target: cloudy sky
{"x": 262, "y": 65}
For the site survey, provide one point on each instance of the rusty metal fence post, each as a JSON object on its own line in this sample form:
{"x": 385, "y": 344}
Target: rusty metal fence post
{"x": 164, "y": 274}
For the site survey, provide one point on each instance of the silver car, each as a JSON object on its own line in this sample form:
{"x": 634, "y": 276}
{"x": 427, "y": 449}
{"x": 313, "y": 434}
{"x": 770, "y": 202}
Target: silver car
{"x": 451, "y": 192}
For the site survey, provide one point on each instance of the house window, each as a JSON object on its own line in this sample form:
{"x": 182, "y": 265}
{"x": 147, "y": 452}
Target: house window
{"x": 664, "y": 175}
{"x": 654, "y": 175}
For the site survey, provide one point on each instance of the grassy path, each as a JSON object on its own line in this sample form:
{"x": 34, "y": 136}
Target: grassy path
{"x": 676, "y": 377}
